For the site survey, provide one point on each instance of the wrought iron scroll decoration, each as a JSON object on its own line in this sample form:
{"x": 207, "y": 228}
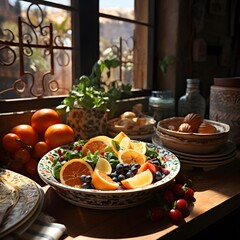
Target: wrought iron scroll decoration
{"x": 124, "y": 51}
{"x": 27, "y": 41}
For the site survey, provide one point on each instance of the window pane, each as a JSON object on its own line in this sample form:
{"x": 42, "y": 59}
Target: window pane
{"x": 129, "y": 42}
{"x": 116, "y": 38}
{"x": 125, "y": 9}
{"x": 37, "y": 68}
{"x": 63, "y": 2}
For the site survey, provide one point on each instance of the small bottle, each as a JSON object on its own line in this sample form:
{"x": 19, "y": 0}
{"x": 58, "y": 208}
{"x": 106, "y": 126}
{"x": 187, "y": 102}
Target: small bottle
{"x": 192, "y": 101}
{"x": 161, "y": 105}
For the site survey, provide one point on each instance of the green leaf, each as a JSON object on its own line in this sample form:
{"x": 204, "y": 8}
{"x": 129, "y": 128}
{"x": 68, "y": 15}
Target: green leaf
{"x": 94, "y": 92}
{"x": 116, "y": 145}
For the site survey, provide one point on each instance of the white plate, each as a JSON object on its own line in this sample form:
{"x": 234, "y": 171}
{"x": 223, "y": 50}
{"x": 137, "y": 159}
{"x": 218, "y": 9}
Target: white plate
{"x": 27, "y": 204}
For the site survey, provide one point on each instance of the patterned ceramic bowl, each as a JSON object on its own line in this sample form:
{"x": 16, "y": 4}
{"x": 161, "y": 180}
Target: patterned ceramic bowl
{"x": 117, "y": 199}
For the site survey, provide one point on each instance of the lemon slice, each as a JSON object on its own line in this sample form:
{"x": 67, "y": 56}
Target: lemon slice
{"x": 130, "y": 156}
{"x": 103, "y": 165}
{"x": 125, "y": 143}
{"x": 140, "y": 147}
{"x": 142, "y": 179}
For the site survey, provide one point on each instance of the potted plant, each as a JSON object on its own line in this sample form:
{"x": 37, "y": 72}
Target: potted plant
{"x": 93, "y": 99}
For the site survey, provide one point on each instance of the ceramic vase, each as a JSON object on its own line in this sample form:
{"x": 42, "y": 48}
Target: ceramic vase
{"x": 225, "y": 107}
{"x": 87, "y": 123}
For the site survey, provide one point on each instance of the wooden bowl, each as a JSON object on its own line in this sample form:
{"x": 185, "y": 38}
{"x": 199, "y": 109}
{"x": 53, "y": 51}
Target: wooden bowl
{"x": 194, "y": 143}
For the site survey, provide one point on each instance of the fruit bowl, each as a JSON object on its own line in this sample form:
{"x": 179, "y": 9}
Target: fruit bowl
{"x": 108, "y": 199}
{"x": 191, "y": 142}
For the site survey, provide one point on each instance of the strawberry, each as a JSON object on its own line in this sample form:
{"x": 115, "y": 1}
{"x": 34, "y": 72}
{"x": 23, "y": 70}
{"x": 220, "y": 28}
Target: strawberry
{"x": 178, "y": 190}
{"x": 155, "y": 214}
{"x": 183, "y": 191}
{"x": 168, "y": 196}
{"x": 189, "y": 194}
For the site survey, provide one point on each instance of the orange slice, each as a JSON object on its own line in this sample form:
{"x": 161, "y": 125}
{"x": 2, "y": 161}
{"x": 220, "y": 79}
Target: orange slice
{"x": 147, "y": 165}
{"x": 142, "y": 179}
{"x": 103, "y": 165}
{"x": 98, "y": 143}
{"x": 140, "y": 147}
{"x": 120, "y": 136}
{"x": 130, "y": 156}
{"x": 72, "y": 170}
{"x": 102, "y": 181}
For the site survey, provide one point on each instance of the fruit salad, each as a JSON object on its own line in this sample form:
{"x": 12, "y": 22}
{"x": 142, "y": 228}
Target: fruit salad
{"x": 105, "y": 163}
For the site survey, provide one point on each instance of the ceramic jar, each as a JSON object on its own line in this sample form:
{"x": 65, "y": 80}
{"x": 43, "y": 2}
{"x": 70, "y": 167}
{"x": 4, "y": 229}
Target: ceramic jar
{"x": 87, "y": 123}
{"x": 225, "y": 107}
{"x": 161, "y": 105}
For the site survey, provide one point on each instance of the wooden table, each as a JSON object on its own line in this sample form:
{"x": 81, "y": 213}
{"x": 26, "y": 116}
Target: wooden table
{"x": 217, "y": 194}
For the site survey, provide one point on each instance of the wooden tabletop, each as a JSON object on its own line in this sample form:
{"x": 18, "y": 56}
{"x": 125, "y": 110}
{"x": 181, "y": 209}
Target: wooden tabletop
{"x": 217, "y": 194}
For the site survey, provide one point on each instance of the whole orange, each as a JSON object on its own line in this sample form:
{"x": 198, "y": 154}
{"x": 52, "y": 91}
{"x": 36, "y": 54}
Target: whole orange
{"x": 41, "y": 148}
{"x": 59, "y": 134}
{"x": 26, "y": 133}
{"x": 22, "y": 155}
{"x": 43, "y": 118}
{"x": 11, "y": 142}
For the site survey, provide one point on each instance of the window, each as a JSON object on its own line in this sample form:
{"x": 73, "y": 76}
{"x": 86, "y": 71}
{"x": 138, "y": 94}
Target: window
{"x": 37, "y": 74}
{"x": 35, "y": 50}
{"x": 124, "y": 30}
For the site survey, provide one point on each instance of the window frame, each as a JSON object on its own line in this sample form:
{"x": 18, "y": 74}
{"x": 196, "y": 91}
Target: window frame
{"x": 89, "y": 49}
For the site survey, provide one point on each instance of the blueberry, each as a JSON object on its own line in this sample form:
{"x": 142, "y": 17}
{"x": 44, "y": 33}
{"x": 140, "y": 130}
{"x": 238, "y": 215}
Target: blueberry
{"x": 85, "y": 185}
{"x": 158, "y": 175}
{"x": 113, "y": 174}
{"x": 83, "y": 177}
{"x": 137, "y": 165}
{"x": 121, "y": 177}
{"x": 134, "y": 170}
{"x": 129, "y": 174}
{"x": 115, "y": 179}
{"x": 156, "y": 162}
{"x": 88, "y": 179}
{"x": 119, "y": 168}
{"x": 126, "y": 167}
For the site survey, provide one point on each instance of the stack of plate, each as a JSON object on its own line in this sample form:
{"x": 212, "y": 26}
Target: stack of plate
{"x": 27, "y": 201}
{"x": 224, "y": 155}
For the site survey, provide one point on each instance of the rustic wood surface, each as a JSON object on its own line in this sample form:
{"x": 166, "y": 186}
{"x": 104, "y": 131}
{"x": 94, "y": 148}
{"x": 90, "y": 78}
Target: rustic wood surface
{"x": 217, "y": 194}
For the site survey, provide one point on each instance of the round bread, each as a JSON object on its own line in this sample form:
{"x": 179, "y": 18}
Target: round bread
{"x": 128, "y": 115}
{"x": 206, "y": 128}
{"x": 194, "y": 120}
{"x": 185, "y": 127}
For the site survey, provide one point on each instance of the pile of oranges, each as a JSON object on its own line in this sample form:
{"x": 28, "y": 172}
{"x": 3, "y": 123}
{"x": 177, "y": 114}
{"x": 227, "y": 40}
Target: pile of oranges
{"x": 25, "y": 144}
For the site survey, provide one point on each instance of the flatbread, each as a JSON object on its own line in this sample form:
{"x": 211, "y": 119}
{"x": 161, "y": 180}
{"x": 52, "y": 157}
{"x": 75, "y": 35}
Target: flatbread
{"x": 9, "y": 196}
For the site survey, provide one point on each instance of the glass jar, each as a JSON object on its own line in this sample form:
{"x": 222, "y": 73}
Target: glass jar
{"x": 161, "y": 105}
{"x": 192, "y": 101}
